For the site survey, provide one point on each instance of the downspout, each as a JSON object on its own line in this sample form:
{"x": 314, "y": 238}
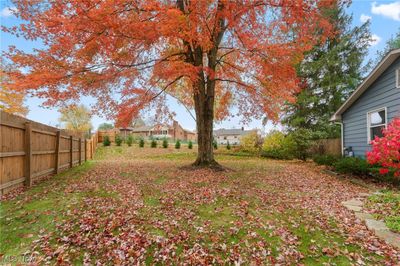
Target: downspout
{"x": 341, "y": 136}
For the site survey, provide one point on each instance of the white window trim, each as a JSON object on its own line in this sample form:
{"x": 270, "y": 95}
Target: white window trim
{"x": 369, "y": 122}
{"x": 398, "y": 78}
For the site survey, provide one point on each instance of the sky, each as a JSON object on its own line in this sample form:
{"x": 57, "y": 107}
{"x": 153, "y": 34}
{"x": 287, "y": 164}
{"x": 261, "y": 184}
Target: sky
{"x": 384, "y": 17}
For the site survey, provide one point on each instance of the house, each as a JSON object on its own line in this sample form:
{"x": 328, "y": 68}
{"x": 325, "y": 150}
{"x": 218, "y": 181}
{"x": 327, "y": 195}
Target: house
{"x": 233, "y": 136}
{"x": 371, "y": 106}
{"x": 174, "y": 131}
{"x": 189, "y": 135}
{"x": 125, "y": 131}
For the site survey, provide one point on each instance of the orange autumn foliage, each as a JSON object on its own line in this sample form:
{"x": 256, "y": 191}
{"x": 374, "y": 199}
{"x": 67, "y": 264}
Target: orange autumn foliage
{"x": 11, "y": 101}
{"x": 126, "y": 52}
{"x": 209, "y": 54}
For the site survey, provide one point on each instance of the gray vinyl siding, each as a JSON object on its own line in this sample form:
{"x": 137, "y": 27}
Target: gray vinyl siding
{"x": 382, "y": 93}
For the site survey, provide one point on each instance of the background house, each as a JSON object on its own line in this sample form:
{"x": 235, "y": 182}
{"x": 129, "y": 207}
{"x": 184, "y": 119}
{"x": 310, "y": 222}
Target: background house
{"x": 233, "y": 136}
{"x": 174, "y": 132}
{"x": 371, "y": 107}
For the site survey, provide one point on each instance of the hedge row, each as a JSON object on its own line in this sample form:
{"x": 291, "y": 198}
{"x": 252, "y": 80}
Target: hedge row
{"x": 153, "y": 144}
{"x": 354, "y": 166}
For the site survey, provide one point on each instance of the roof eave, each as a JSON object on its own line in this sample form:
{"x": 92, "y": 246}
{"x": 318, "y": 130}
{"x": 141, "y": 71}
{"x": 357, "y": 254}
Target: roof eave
{"x": 368, "y": 81}
{"x": 336, "y": 118}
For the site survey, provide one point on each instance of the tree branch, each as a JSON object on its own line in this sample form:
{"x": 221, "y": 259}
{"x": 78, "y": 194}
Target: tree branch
{"x": 166, "y": 87}
{"x": 187, "y": 108}
{"x": 233, "y": 81}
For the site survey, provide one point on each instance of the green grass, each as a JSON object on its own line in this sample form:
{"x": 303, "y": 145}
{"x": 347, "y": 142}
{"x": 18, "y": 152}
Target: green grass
{"x": 27, "y": 216}
{"x": 386, "y": 206}
{"x": 393, "y": 222}
{"x": 239, "y": 211}
{"x": 151, "y": 201}
{"x": 220, "y": 214}
{"x": 175, "y": 156}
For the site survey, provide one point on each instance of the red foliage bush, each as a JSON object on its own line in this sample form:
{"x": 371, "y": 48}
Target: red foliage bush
{"x": 386, "y": 150}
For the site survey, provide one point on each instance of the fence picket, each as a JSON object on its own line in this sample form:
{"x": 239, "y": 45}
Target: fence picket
{"x": 28, "y": 154}
{"x": 57, "y": 152}
{"x": 30, "y": 150}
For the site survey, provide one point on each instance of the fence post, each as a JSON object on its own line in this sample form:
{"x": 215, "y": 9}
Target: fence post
{"x": 58, "y": 134}
{"x": 85, "y": 150}
{"x": 71, "y": 151}
{"x": 80, "y": 150}
{"x": 28, "y": 154}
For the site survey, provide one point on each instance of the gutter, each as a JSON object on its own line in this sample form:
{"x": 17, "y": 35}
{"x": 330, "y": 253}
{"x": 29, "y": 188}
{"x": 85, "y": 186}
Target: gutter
{"x": 335, "y": 118}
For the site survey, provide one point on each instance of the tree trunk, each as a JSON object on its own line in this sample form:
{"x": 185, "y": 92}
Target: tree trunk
{"x": 204, "y": 91}
{"x": 204, "y": 118}
{"x": 204, "y": 107}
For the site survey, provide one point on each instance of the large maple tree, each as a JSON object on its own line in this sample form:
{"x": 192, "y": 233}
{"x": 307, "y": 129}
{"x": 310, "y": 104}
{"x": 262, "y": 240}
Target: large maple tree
{"x": 209, "y": 54}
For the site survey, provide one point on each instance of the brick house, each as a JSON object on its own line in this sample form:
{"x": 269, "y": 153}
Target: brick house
{"x": 174, "y": 131}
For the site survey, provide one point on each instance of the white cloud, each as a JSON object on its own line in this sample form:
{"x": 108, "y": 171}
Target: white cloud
{"x": 7, "y": 12}
{"x": 375, "y": 39}
{"x": 391, "y": 10}
{"x": 364, "y": 18}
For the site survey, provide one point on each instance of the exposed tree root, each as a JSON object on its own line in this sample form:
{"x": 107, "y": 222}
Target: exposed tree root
{"x": 212, "y": 165}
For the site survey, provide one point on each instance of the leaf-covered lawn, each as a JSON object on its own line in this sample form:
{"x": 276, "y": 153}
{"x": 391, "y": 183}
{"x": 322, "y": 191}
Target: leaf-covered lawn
{"x": 135, "y": 205}
{"x": 386, "y": 206}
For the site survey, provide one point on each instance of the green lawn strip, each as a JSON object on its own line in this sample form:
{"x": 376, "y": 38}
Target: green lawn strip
{"x": 386, "y": 207}
{"x": 232, "y": 153}
{"x": 102, "y": 152}
{"x": 223, "y": 218}
{"x": 393, "y": 223}
{"x": 152, "y": 208}
{"x": 323, "y": 245}
{"x": 58, "y": 181}
{"x": 76, "y": 201}
{"x": 112, "y": 152}
{"x": 250, "y": 166}
{"x": 174, "y": 156}
{"x": 318, "y": 245}
{"x": 219, "y": 213}
{"x": 37, "y": 210}
{"x": 149, "y": 257}
{"x": 308, "y": 238}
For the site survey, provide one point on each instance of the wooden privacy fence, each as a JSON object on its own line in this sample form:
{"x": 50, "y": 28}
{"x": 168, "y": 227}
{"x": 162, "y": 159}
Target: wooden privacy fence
{"x": 110, "y": 133}
{"x": 327, "y": 146}
{"x": 30, "y": 150}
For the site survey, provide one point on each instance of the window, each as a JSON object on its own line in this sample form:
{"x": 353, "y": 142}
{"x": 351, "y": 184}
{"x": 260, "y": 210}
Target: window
{"x": 376, "y": 122}
{"x": 398, "y": 78}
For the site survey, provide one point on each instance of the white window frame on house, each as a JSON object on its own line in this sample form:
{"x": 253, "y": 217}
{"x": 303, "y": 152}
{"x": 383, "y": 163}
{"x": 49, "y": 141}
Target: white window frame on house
{"x": 398, "y": 78}
{"x": 369, "y": 121}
